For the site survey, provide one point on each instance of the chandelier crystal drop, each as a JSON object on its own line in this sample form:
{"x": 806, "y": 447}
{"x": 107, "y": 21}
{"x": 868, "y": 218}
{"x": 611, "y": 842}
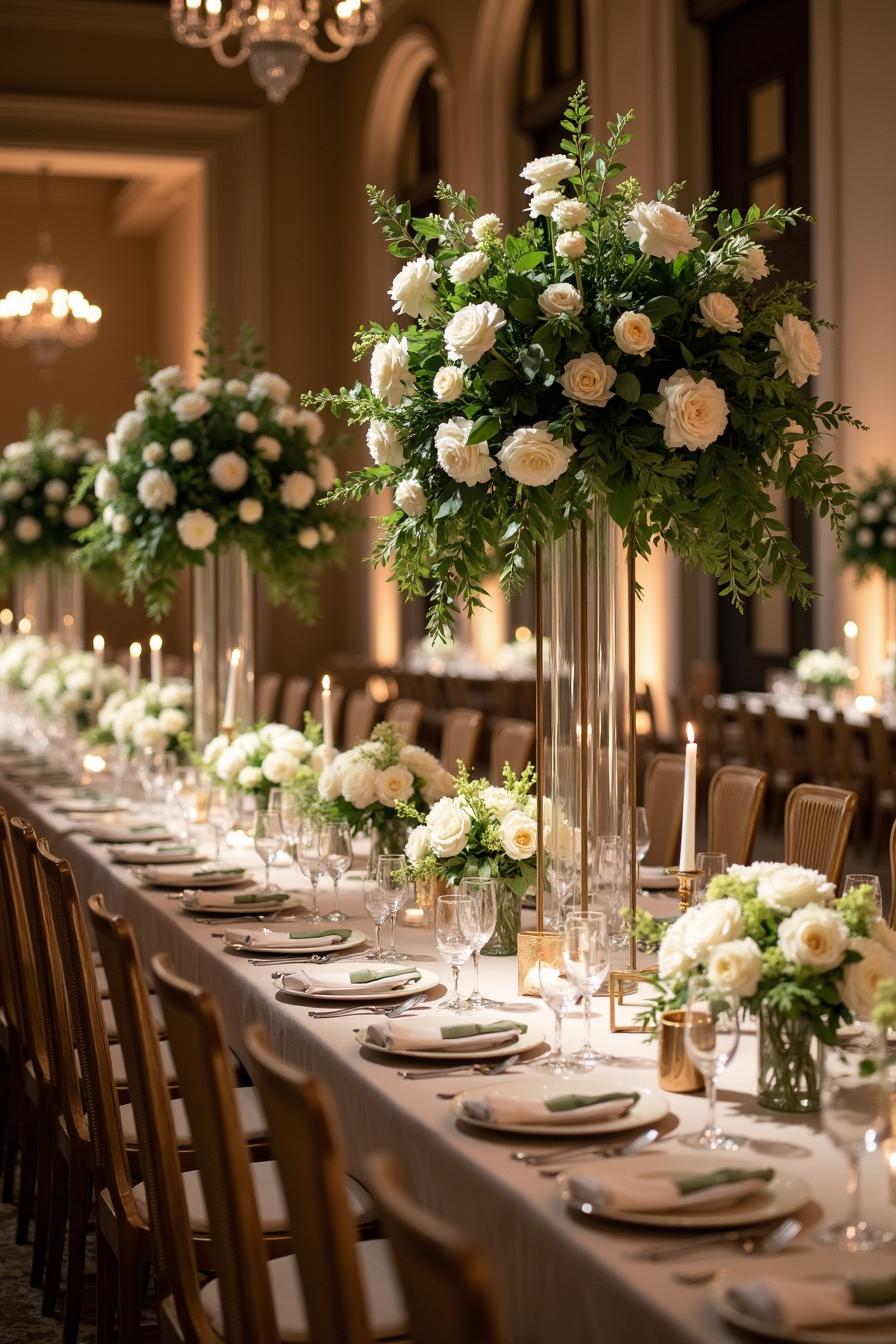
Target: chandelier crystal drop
{"x": 276, "y": 38}
{"x": 45, "y": 315}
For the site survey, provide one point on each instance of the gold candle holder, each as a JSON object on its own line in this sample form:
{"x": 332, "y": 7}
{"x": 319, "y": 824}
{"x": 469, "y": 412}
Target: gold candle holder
{"x": 228, "y": 730}
{"x": 534, "y": 948}
{"x": 677, "y": 1071}
{"x": 422, "y": 913}
{"x": 687, "y": 880}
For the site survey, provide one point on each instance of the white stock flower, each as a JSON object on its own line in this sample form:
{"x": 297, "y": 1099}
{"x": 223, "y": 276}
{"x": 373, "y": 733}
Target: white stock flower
{"x": 659, "y": 230}
{"x": 268, "y": 448}
{"x": 190, "y": 406}
{"x": 250, "y": 510}
{"x": 417, "y": 845}
{"x": 752, "y": 264}
{"x": 448, "y": 825}
{"x": 693, "y": 414}
{"x": 167, "y": 379}
{"x": 704, "y": 926}
{"x": 571, "y": 244}
{"x": 440, "y": 784}
{"x": 235, "y": 387}
{"x": 735, "y": 966}
{"x": 788, "y": 887}
{"x": 799, "y": 353}
{"x": 156, "y": 490}
{"x": 468, "y": 267}
{"x": 106, "y": 485}
{"x": 181, "y": 450}
{"x": 858, "y": 984}
{"x": 410, "y": 497}
{"x": 77, "y": 515}
{"x": 469, "y": 464}
{"x": 544, "y": 203}
{"x": 499, "y": 801}
{"x": 384, "y": 444}
{"x": 814, "y": 936}
{"x": 719, "y": 312}
{"x": 359, "y": 783}
{"x": 250, "y": 778}
{"x": 308, "y": 538}
{"x": 633, "y": 333}
{"x": 532, "y": 456}
{"x": 229, "y": 471}
{"x": 560, "y": 298}
{"x": 394, "y": 785}
{"x": 279, "y": 767}
{"x": 588, "y": 379}
{"x": 271, "y": 385}
{"x": 486, "y": 226}
{"x": 325, "y": 473}
{"x": 197, "y": 529}
{"x": 390, "y": 374}
{"x": 448, "y": 384}
{"x": 547, "y": 172}
{"x": 297, "y": 490}
{"x": 311, "y": 423}
{"x": 519, "y": 835}
{"x": 413, "y": 289}
{"x": 27, "y": 529}
{"x": 570, "y": 214}
{"x": 473, "y": 331}
{"x": 128, "y": 426}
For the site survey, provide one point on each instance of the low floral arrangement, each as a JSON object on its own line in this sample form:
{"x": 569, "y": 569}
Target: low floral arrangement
{"x": 612, "y": 347}
{"x": 869, "y": 538}
{"x": 156, "y": 718}
{"x": 226, "y": 462}
{"x": 41, "y": 510}
{"x": 367, "y": 785}
{"x": 823, "y": 668}
{"x": 270, "y": 755}
{"x": 65, "y": 685}
{"x": 23, "y": 658}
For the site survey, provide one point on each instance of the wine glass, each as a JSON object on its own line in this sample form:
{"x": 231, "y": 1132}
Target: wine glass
{"x": 391, "y": 874}
{"x": 642, "y": 834}
{"x": 376, "y": 903}
{"x": 311, "y": 862}
{"x": 854, "y": 880}
{"x": 336, "y": 852}
{"x": 711, "y": 1035}
{"x": 292, "y": 817}
{"x": 454, "y": 914}
{"x": 268, "y": 837}
{"x": 855, "y": 1117}
{"x": 561, "y": 994}
{"x": 586, "y": 956}
{"x": 218, "y": 816}
{"x": 483, "y": 895}
{"x": 710, "y": 865}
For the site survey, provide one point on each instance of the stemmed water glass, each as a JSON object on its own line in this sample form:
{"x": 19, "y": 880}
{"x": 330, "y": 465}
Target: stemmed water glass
{"x": 392, "y": 879}
{"x": 218, "y": 816}
{"x": 855, "y": 1117}
{"x": 586, "y": 956}
{"x": 710, "y": 865}
{"x": 854, "y": 880}
{"x": 711, "y": 1035}
{"x": 336, "y": 852}
{"x": 308, "y": 854}
{"x": 454, "y": 914}
{"x": 376, "y": 903}
{"x": 268, "y": 837}
{"x": 642, "y": 834}
{"x": 483, "y": 897}
{"x": 561, "y": 994}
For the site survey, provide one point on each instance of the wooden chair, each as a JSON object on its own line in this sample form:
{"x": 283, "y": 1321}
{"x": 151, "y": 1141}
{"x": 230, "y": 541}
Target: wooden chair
{"x": 736, "y": 794}
{"x": 891, "y": 913}
{"x": 267, "y": 694}
{"x": 751, "y": 736}
{"x": 817, "y": 822}
{"x": 513, "y": 742}
{"x": 883, "y": 779}
{"x": 819, "y": 747}
{"x": 13, "y": 1037}
{"x": 663, "y": 790}
{"x": 786, "y": 768}
{"x": 460, "y": 737}
{"x": 407, "y": 715}
{"x": 293, "y": 701}
{"x": 447, "y": 1282}
{"x": 360, "y": 716}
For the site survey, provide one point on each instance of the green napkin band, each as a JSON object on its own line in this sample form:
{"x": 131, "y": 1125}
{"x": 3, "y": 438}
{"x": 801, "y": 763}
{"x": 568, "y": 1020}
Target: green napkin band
{"x": 480, "y": 1029}
{"x": 572, "y": 1101}
{"x": 368, "y": 977}
{"x": 341, "y": 934}
{"x": 873, "y": 1292}
{"x": 172, "y": 849}
{"x": 259, "y": 897}
{"x": 216, "y": 872}
{"x": 689, "y": 1185}
{"x": 139, "y": 830}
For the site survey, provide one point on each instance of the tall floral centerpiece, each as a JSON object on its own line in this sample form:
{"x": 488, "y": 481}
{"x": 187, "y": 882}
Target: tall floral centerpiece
{"x": 822, "y": 670}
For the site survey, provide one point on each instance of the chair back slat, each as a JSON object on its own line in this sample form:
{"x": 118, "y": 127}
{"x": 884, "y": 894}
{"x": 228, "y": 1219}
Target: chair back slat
{"x": 293, "y": 701}
{"x": 267, "y": 694}
{"x": 736, "y": 795}
{"x": 663, "y": 790}
{"x": 817, "y": 822}
{"x": 407, "y": 716}
{"x": 460, "y": 737}
{"x": 360, "y": 715}
{"x": 33, "y": 1038}
{"x": 818, "y": 747}
{"x": 512, "y": 743}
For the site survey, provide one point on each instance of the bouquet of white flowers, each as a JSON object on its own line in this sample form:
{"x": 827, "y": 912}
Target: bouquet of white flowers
{"x": 156, "y": 717}
{"x": 869, "y": 539}
{"x": 23, "y": 658}
{"x": 268, "y": 756}
{"x": 66, "y": 684}
{"x": 823, "y": 668}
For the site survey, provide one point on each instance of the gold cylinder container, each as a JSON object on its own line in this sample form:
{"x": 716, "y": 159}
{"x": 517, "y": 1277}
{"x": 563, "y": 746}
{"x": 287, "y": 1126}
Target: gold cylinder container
{"x": 677, "y": 1071}
{"x": 533, "y": 948}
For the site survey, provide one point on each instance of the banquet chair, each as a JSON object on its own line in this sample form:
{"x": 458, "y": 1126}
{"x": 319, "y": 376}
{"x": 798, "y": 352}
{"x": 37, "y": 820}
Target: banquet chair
{"x": 406, "y": 715}
{"x": 460, "y": 737}
{"x": 512, "y": 743}
{"x": 360, "y": 716}
{"x": 817, "y": 822}
{"x": 267, "y": 694}
{"x": 751, "y": 735}
{"x": 734, "y": 805}
{"x": 819, "y": 747}
{"x": 786, "y": 767}
{"x": 446, "y": 1281}
{"x": 663, "y": 790}
{"x": 11, "y": 1038}
{"x": 293, "y": 701}
{"x": 883, "y": 779}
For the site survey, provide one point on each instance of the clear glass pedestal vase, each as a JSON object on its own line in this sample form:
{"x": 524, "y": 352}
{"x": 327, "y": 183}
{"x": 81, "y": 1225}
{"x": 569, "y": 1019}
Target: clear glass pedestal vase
{"x": 503, "y": 942}
{"x": 390, "y": 838}
{"x": 223, "y": 596}
{"x": 790, "y": 1063}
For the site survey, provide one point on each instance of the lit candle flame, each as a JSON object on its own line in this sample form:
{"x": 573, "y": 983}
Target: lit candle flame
{"x": 155, "y": 642}
{"x": 135, "y": 650}
{"x": 235, "y": 658}
{"x": 325, "y": 682}
{"x": 98, "y": 643}
{"x": 690, "y": 732}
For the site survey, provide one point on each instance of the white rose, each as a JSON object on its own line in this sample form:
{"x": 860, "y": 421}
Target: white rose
{"x": 735, "y": 966}
{"x": 250, "y": 510}
{"x": 121, "y": 524}
{"x": 469, "y": 464}
{"x": 308, "y": 538}
{"x": 468, "y": 267}
{"x": 499, "y": 801}
{"x": 659, "y": 230}
{"x": 752, "y": 264}
{"x": 413, "y": 289}
{"x": 12, "y": 490}
{"x": 871, "y": 512}
{"x": 271, "y": 385}
{"x": 248, "y": 743}
{"x": 703, "y": 927}
{"x": 674, "y": 962}
{"x": 359, "y": 783}
{"x": 588, "y": 379}
{"x": 448, "y": 384}
{"x": 250, "y": 778}
{"x": 297, "y": 490}
{"x": 197, "y": 529}
{"x": 246, "y": 422}
{"x": 570, "y": 214}
{"x": 287, "y": 417}
{"x": 167, "y": 379}
{"x": 448, "y": 825}
{"x": 417, "y": 845}
{"x": 106, "y": 484}
{"x": 214, "y": 749}
{"x": 173, "y": 721}
{"x": 279, "y": 767}
{"x": 420, "y": 762}
{"x": 571, "y": 244}
{"x": 799, "y": 353}
{"x": 268, "y": 448}
{"x": 17, "y": 452}
{"x": 544, "y": 203}
{"x": 327, "y": 533}
{"x": 410, "y": 497}
{"x": 147, "y": 733}
{"x": 532, "y": 456}
{"x": 113, "y": 448}
{"x": 329, "y": 784}
{"x": 439, "y": 785}
{"x": 153, "y": 454}
{"x": 77, "y": 515}
{"x": 128, "y": 426}
{"x": 390, "y": 374}
{"x": 486, "y": 226}
{"x": 156, "y": 490}
{"x": 560, "y": 298}
{"x": 235, "y": 387}
{"x": 633, "y": 333}
{"x": 719, "y": 312}
{"x": 860, "y": 979}
{"x": 27, "y": 529}
{"x": 865, "y": 537}
{"x": 519, "y": 835}
{"x": 473, "y": 331}
{"x": 814, "y": 936}
{"x": 548, "y": 171}
{"x": 190, "y": 406}
{"x": 788, "y": 887}
{"x": 384, "y": 444}
{"x": 888, "y": 536}
{"x": 693, "y": 415}
{"x": 229, "y": 471}
{"x": 56, "y": 490}
{"x": 311, "y": 424}
{"x": 325, "y": 473}
{"x": 229, "y": 764}
{"x": 182, "y": 450}
{"x": 883, "y": 934}
{"x": 394, "y": 785}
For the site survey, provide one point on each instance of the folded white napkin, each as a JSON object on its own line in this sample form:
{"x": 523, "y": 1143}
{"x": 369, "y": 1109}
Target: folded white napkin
{"x": 155, "y": 853}
{"x": 570, "y": 1109}
{"x": 213, "y": 896}
{"x": 117, "y": 832}
{"x": 279, "y": 940}
{"x": 646, "y": 1194}
{"x": 197, "y": 874}
{"x": 323, "y": 980}
{"x": 803, "y": 1303}
{"x": 399, "y": 1035}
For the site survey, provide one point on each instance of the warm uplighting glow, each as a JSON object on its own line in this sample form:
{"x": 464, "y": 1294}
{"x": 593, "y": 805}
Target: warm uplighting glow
{"x": 866, "y": 704}
{"x": 522, "y": 634}
{"x": 24, "y": 626}
{"x": 381, "y": 689}
{"x": 155, "y": 643}
{"x": 690, "y": 733}
{"x": 850, "y": 630}
{"x": 94, "y": 765}
{"x": 135, "y": 650}
{"x": 98, "y": 643}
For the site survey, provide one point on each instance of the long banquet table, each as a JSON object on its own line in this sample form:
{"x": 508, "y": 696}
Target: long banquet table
{"x": 558, "y": 1277}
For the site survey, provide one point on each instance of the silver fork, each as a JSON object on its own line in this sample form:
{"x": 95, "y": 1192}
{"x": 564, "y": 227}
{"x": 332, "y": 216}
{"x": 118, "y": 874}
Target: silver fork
{"x": 486, "y": 1066}
{"x": 317, "y": 959}
{"x": 750, "y": 1240}
{"x": 629, "y": 1149}
{"x": 554, "y": 1154}
{"x": 395, "y": 1010}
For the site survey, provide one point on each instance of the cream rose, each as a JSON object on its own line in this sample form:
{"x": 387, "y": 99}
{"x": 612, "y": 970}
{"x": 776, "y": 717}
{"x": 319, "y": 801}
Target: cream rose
{"x": 588, "y": 379}
{"x": 735, "y": 966}
{"x": 156, "y": 490}
{"x": 121, "y": 524}
{"x": 269, "y": 385}
{"x": 448, "y": 825}
{"x": 471, "y": 464}
{"x": 719, "y": 312}
{"x": 287, "y": 417}
{"x": 384, "y": 444}
{"x": 814, "y": 936}
{"x": 752, "y": 265}
{"x": 197, "y": 529}
{"x": 560, "y": 298}
{"x": 268, "y": 448}
{"x": 167, "y": 379}
{"x": 229, "y": 763}
{"x": 308, "y": 538}
{"x": 633, "y": 333}
{"x": 519, "y": 835}
{"x": 327, "y": 533}
{"x": 448, "y": 384}
{"x": 571, "y": 244}
{"x": 468, "y": 267}
{"x": 77, "y": 515}
{"x": 250, "y": 778}
{"x": 693, "y": 414}
{"x": 789, "y": 887}
{"x": 27, "y": 530}
{"x": 229, "y": 471}
{"x": 329, "y": 784}
{"x": 548, "y": 171}
{"x": 486, "y": 226}
{"x": 394, "y": 785}
{"x": 173, "y": 721}
{"x": 419, "y": 761}
{"x": 410, "y": 497}
{"x": 570, "y": 214}
{"x": 297, "y": 490}
{"x": 417, "y": 845}
{"x": 544, "y": 203}
{"x": 705, "y": 926}
{"x": 359, "y": 783}
{"x": 250, "y": 510}
{"x": 499, "y": 801}
{"x": 235, "y": 387}
{"x": 246, "y": 422}
{"x": 190, "y": 406}
{"x": 860, "y": 979}
{"x": 674, "y": 962}
{"x": 413, "y": 289}
{"x": 106, "y": 485}
{"x": 473, "y": 331}
{"x": 659, "y": 230}
{"x": 799, "y": 353}
{"x": 56, "y": 490}
{"x": 390, "y": 374}
{"x": 181, "y": 450}
{"x": 128, "y": 426}
{"x": 532, "y": 456}
{"x": 279, "y": 767}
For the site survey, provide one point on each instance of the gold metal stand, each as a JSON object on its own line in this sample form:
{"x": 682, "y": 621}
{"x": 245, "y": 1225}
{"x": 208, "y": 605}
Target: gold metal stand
{"x": 687, "y": 880}
{"x": 537, "y": 945}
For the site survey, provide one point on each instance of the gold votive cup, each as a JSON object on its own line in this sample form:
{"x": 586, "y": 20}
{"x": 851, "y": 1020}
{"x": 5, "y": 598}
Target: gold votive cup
{"x": 534, "y": 948}
{"x": 677, "y": 1071}
{"x": 422, "y": 913}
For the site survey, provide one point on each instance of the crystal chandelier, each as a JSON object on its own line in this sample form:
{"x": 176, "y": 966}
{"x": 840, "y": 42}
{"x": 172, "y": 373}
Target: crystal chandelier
{"x": 277, "y": 37}
{"x": 44, "y": 315}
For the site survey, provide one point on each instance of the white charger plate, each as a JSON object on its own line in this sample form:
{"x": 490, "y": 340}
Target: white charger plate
{"x": 781, "y": 1196}
{"x": 274, "y": 942}
{"x": 369, "y": 993}
{"x": 229, "y": 907}
{"x": 190, "y": 875}
{"x": 91, "y": 806}
{"x": 650, "y": 1106}
{"x": 533, "y": 1036}
{"x": 152, "y": 857}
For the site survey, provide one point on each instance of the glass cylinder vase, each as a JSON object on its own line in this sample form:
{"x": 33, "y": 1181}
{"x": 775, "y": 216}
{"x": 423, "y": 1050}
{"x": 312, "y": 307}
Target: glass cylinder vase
{"x": 503, "y": 942}
{"x": 223, "y": 599}
{"x": 388, "y": 838}
{"x": 790, "y": 1063}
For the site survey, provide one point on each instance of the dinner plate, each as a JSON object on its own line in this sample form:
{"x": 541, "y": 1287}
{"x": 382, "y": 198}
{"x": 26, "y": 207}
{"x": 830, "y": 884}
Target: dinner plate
{"x": 782, "y": 1195}
{"x": 534, "y": 1036}
{"x": 135, "y": 854}
{"x": 190, "y": 875}
{"x": 283, "y": 943}
{"x": 367, "y": 994}
{"x": 650, "y": 1106}
{"x": 821, "y": 1265}
{"x": 229, "y": 909}
{"x": 90, "y": 806}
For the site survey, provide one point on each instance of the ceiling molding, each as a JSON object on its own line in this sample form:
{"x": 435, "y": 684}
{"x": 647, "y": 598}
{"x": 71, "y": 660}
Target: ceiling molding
{"x": 110, "y": 18}
{"x": 140, "y": 208}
